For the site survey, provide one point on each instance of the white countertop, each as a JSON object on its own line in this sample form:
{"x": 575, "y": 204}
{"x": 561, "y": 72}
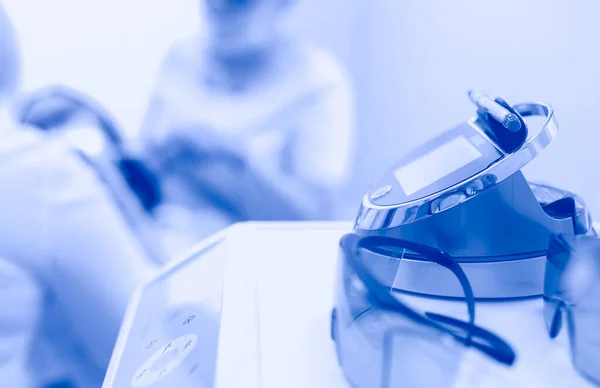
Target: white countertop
{"x": 277, "y": 305}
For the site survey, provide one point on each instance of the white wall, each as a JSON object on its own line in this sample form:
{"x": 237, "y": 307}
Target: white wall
{"x": 110, "y": 48}
{"x": 419, "y": 57}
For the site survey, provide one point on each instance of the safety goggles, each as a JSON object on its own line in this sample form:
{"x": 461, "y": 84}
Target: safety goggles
{"x": 571, "y": 293}
{"x": 560, "y": 203}
{"x": 51, "y": 107}
{"x": 382, "y": 342}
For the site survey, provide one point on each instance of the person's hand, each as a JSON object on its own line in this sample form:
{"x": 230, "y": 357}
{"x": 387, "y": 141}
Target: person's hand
{"x": 209, "y": 170}
{"x": 224, "y": 184}
{"x": 197, "y": 148}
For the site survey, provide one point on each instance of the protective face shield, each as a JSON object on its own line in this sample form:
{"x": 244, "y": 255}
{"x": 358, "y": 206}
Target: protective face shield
{"x": 9, "y": 59}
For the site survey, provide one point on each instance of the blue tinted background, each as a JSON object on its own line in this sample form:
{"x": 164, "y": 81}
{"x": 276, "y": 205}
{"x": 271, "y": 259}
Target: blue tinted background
{"x": 411, "y": 63}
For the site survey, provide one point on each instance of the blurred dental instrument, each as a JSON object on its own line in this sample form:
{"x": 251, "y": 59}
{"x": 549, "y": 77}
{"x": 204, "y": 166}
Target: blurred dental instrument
{"x": 138, "y": 220}
{"x": 93, "y": 143}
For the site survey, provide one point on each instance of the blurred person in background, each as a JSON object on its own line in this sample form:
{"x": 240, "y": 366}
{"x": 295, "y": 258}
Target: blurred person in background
{"x": 68, "y": 263}
{"x": 247, "y": 123}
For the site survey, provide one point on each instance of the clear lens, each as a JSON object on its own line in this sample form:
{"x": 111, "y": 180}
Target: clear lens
{"x": 557, "y": 256}
{"x": 379, "y": 348}
{"x": 352, "y": 292}
{"x": 417, "y": 356}
{"x": 584, "y": 321}
{"x": 384, "y": 349}
{"x": 571, "y": 285}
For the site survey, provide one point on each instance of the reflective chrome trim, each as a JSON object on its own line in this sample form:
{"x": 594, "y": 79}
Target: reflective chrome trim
{"x": 373, "y": 216}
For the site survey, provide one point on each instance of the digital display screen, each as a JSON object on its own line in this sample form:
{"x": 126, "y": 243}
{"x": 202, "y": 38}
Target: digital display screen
{"x": 436, "y": 164}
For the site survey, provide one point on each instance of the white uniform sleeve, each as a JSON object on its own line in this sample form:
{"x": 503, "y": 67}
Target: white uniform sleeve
{"x": 95, "y": 261}
{"x": 59, "y": 223}
{"x": 322, "y": 150}
{"x": 20, "y": 307}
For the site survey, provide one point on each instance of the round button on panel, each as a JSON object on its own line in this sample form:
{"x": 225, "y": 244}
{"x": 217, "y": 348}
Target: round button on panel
{"x": 164, "y": 360}
{"x": 380, "y": 192}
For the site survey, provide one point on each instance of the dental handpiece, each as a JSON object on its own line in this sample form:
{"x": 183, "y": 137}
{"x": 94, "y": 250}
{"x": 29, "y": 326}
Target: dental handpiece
{"x": 508, "y": 119}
